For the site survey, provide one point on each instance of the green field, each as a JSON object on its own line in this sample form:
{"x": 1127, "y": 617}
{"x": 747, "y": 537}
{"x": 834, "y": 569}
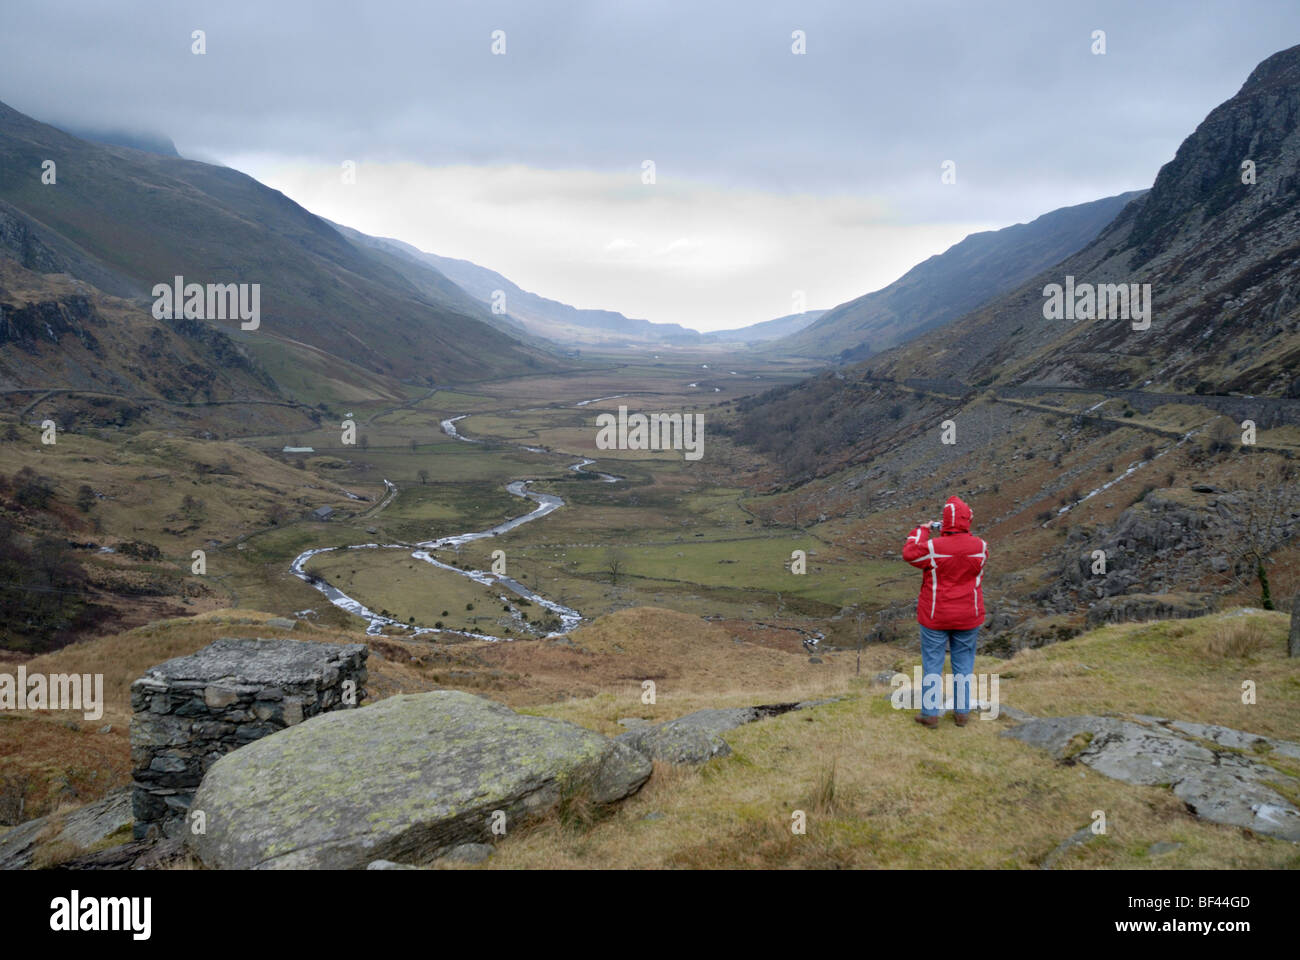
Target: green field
{"x": 679, "y": 534}
{"x": 393, "y": 583}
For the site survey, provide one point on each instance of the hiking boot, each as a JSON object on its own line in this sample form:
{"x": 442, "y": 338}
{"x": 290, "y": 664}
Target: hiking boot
{"x": 961, "y": 719}
{"x": 930, "y": 722}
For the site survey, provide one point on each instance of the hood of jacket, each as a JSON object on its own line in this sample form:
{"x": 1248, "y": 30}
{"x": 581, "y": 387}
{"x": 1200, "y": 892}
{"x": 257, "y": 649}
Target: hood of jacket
{"x": 956, "y": 516}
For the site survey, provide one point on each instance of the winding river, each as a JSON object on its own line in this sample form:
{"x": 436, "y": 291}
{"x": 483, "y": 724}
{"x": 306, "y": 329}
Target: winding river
{"x": 546, "y": 503}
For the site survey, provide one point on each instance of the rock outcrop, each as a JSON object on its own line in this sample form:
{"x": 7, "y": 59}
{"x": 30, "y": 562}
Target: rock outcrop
{"x": 697, "y": 737}
{"x": 1203, "y": 764}
{"x": 407, "y": 779}
{"x": 1145, "y": 606}
{"x": 79, "y": 830}
{"x": 1155, "y": 543}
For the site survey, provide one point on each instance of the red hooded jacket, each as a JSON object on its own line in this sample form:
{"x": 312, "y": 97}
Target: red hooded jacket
{"x": 952, "y": 566}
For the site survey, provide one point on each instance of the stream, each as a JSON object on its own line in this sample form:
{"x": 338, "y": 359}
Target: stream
{"x": 546, "y": 503}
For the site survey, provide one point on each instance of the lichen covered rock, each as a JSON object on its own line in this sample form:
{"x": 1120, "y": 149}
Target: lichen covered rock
{"x": 406, "y": 780}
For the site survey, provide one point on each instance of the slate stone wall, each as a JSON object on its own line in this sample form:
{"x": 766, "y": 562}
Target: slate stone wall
{"x": 190, "y": 711}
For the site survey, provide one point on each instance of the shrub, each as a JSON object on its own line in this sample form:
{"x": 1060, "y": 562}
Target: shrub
{"x": 1221, "y": 437}
{"x": 1238, "y": 639}
{"x": 85, "y": 498}
{"x": 31, "y": 490}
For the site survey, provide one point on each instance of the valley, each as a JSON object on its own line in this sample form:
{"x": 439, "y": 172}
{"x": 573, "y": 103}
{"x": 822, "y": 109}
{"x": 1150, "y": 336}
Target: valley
{"x": 687, "y": 528}
{"x": 555, "y": 553}
{"x": 681, "y": 572}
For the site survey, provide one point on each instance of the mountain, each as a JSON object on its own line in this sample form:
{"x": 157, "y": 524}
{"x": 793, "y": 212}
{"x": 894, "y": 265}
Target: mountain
{"x": 1221, "y": 258}
{"x": 565, "y": 324}
{"x": 540, "y": 315}
{"x": 432, "y": 283}
{"x": 952, "y": 283}
{"x": 766, "y": 329}
{"x": 107, "y": 362}
{"x": 332, "y": 312}
{"x": 148, "y": 142}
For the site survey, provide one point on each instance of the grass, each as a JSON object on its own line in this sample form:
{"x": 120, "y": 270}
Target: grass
{"x": 878, "y": 791}
{"x": 1240, "y": 639}
{"x": 1174, "y": 668}
{"x": 411, "y": 590}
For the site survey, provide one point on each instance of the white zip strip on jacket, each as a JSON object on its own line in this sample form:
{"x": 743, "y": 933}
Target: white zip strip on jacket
{"x": 934, "y": 573}
{"x": 975, "y": 593}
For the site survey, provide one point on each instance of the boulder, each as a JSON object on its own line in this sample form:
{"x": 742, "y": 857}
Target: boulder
{"x": 675, "y": 742}
{"x": 406, "y": 779}
{"x": 469, "y": 853}
{"x": 1076, "y": 839}
{"x": 1220, "y": 785}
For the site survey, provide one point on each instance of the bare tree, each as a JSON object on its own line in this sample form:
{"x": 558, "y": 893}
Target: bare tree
{"x": 615, "y": 564}
{"x": 423, "y": 475}
{"x": 796, "y": 510}
{"x": 1221, "y": 437}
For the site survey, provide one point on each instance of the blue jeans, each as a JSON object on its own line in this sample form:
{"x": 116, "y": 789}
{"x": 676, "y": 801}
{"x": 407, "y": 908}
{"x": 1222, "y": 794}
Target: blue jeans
{"x": 934, "y": 643}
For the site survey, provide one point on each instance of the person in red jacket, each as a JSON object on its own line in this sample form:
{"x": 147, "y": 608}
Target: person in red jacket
{"x": 950, "y": 608}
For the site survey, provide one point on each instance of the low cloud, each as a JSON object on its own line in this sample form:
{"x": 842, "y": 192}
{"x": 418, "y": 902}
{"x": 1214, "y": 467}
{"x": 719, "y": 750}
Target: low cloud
{"x": 705, "y": 256}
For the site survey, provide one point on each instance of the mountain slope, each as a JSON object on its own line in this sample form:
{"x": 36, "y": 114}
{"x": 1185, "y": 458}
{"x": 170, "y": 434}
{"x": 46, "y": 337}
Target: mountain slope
{"x": 542, "y": 316}
{"x": 766, "y": 329}
{"x": 952, "y": 283}
{"x": 1222, "y": 258}
{"x": 531, "y": 315}
{"x": 431, "y": 282}
{"x": 125, "y": 220}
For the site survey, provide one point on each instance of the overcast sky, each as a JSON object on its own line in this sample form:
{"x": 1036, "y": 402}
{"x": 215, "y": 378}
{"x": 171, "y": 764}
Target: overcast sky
{"x": 774, "y": 172}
